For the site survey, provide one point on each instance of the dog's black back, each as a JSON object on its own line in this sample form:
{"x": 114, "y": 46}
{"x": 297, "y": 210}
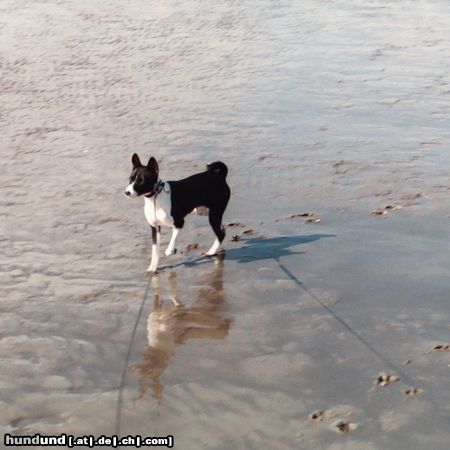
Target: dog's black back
{"x": 208, "y": 189}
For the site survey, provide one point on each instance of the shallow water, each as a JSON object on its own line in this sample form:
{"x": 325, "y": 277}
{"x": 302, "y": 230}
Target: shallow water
{"x": 340, "y": 108}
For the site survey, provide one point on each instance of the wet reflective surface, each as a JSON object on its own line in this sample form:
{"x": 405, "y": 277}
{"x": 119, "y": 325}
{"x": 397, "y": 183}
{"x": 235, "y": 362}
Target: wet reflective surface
{"x": 169, "y": 326}
{"x": 337, "y": 108}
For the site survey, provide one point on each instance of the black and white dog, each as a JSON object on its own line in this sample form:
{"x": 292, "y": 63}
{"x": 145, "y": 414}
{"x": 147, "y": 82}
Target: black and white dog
{"x": 167, "y": 203}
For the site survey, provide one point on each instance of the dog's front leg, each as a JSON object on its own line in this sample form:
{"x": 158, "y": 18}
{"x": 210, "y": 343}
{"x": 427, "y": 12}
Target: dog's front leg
{"x": 170, "y": 250}
{"x": 156, "y": 238}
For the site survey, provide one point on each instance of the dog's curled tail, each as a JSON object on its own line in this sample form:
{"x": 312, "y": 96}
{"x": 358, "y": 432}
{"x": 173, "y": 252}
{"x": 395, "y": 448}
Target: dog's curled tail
{"x": 217, "y": 167}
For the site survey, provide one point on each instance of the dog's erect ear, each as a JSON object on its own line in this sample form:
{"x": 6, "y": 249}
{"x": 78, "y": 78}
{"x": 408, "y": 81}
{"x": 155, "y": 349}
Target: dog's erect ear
{"x": 135, "y": 160}
{"x": 153, "y": 165}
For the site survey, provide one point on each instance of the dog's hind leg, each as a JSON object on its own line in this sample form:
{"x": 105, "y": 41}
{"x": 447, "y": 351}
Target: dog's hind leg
{"x": 156, "y": 239}
{"x": 215, "y": 220}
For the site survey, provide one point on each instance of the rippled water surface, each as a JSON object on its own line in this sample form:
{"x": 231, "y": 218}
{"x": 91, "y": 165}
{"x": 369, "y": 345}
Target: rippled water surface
{"x": 340, "y": 108}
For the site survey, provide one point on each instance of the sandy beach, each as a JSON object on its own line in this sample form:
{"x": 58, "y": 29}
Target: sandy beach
{"x": 325, "y": 324}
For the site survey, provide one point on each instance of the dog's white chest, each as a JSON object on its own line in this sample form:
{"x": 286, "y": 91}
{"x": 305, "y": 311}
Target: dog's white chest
{"x": 157, "y": 211}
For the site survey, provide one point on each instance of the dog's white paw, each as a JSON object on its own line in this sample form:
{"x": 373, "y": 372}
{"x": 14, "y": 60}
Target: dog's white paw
{"x": 170, "y": 251}
{"x": 219, "y": 254}
{"x": 151, "y": 271}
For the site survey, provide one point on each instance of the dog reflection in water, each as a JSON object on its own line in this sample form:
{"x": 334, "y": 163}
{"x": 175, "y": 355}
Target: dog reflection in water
{"x": 175, "y": 323}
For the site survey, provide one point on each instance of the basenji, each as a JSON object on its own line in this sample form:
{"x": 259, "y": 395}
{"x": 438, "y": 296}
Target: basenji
{"x": 168, "y": 203}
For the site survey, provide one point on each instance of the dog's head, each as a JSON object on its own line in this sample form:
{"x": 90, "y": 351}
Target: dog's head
{"x": 143, "y": 179}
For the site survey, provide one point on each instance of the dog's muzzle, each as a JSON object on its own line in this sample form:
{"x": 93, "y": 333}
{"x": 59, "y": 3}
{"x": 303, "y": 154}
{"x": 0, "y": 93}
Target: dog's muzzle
{"x": 129, "y": 191}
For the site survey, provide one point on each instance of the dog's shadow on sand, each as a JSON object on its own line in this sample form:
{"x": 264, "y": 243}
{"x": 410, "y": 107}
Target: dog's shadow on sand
{"x": 262, "y": 248}
{"x": 257, "y": 249}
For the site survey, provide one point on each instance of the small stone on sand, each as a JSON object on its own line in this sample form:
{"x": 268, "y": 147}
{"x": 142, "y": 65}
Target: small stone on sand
{"x": 191, "y": 247}
{"x": 384, "y": 379}
{"x": 442, "y": 347}
{"x": 317, "y": 415}
{"x": 311, "y": 217}
{"x": 413, "y": 391}
{"x": 344, "y": 426}
{"x": 235, "y": 224}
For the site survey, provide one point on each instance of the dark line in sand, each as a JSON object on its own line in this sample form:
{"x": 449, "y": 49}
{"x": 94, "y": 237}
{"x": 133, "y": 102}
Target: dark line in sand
{"x": 125, "y": 369}
{"x": 403, "y": 376}
{"x": 344, "y": 323}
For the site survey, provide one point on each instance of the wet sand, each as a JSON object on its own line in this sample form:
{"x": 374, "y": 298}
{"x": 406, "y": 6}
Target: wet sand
{"x": 308, "y": 333}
